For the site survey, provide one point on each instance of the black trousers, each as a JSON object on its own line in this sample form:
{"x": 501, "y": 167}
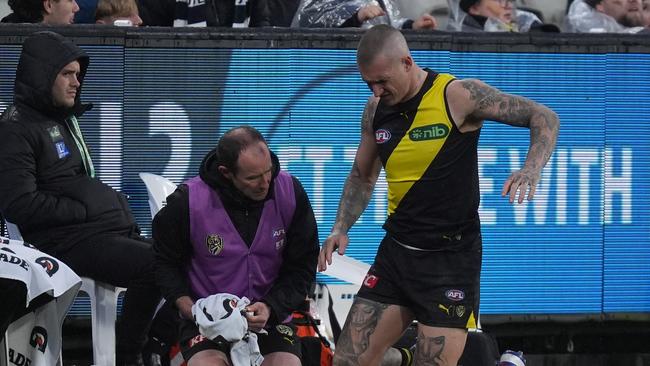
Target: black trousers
{"x": 125, "y": 262}
{"x": 14, "y": 294}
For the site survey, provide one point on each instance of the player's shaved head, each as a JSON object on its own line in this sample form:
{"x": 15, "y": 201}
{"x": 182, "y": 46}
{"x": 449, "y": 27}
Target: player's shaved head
{"x": 381, "y": 40}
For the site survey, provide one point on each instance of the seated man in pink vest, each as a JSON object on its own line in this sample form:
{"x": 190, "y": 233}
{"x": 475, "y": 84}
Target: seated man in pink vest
{"x": 243, "y": 227}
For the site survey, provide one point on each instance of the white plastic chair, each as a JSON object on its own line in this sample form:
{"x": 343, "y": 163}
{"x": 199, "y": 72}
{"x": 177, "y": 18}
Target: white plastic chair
{"x": 349, "y": 270}
{"x": 13, "y": 231}
{"x": 103, "y": 297}
{"x": 4, "y": 355}
{"x": 343, "y": 296}
{"x": 103, "y": 311}
{"x": 158, "y": 188}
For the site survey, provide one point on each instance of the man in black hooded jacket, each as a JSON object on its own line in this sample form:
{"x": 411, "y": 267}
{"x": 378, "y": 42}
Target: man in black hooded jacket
{"x": 50, "y": 191}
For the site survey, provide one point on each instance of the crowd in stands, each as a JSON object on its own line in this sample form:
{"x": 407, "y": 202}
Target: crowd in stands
{"x": 583, "y": 16}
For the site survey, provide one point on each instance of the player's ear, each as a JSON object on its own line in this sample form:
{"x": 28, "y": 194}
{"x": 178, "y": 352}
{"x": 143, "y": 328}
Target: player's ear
{"x": 407, "y": 61}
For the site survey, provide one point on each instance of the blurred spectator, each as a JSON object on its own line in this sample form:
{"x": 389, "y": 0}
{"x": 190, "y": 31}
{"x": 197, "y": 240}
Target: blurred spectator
{"x": 118, "y": 12}
{"x": 52, "y": 12}
{"x": 598, "y": 16}
{"x": 355, "y": 13}
{"x": 645, "y": 10}
{"x": 547, "y": 11}
{"x": 282, "y": 12}
{"x": 493, "y": 16}
{"x": 208, "y": 13}
{"x": 222, "y": 13}
{"x": 86, "y": 13}
{"x": 159, "y": 13}
{"x": 634, "y": 15}
{"x": 480, "y": 11}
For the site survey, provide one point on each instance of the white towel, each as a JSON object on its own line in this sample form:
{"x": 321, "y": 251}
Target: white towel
{"x": 36, "y": 338}
{"x": 222, "y": 316}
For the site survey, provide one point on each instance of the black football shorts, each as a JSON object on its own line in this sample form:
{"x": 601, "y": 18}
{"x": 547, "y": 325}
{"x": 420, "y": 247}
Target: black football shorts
{"x": 440, "y": 287}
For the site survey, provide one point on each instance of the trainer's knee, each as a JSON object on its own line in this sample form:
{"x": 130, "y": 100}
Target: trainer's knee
{"x": 208, "y": 358}
{"x": 281, "y": 359}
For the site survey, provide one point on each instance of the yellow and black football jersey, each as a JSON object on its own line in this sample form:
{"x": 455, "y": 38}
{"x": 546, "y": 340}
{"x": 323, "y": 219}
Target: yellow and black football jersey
{"x": 431, "y": 168}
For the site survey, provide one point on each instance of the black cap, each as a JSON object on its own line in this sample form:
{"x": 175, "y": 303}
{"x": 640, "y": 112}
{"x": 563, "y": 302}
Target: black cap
{"x": 466, "y": 4}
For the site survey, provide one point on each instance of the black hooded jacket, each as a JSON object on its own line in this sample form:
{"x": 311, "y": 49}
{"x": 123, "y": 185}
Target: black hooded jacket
{"x": 45, "y": 188}
{"x": 171, "y": 234}
{"x": 17, "y": 18}
{"x": 218, "y": 13}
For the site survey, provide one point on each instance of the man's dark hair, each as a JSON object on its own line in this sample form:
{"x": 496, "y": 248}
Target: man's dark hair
{"x": 233, "y": 142}
{"x": 466, "y": 4}
{"x": 28, "y": 10}
{"x": 592, "y": 3}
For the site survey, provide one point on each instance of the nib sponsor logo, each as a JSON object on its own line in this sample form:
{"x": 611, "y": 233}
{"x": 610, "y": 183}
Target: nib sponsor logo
{"x": 430, "y": 132}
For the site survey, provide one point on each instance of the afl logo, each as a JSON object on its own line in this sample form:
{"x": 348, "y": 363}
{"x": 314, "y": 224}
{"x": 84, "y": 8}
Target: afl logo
{"x": 214, "y": 243}
{"x": 382, "y": 136}
{"x": 455, "y": 295}
{"x": 49, "y": 264}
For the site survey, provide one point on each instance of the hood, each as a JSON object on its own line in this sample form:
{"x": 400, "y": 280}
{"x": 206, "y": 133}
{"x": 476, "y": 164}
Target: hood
{"x": 212, "y": 177}
{"x": 17, "y": 18}
{"x": 44, "y": 54}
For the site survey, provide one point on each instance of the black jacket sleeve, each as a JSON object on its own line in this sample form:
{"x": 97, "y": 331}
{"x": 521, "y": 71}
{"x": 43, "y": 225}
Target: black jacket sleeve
{"x": 171, "y": 246}
{"x": 298, "y": 270}
{"x": 21, "y": 200}
{"x": 157, "y": 12}
{"x": 260, "y": 13}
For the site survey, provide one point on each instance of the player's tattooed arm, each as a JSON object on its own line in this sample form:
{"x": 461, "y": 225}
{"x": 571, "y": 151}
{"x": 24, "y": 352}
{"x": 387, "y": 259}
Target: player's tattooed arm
{"x": 491, "y": 104}
{"x": 361, "y": 180}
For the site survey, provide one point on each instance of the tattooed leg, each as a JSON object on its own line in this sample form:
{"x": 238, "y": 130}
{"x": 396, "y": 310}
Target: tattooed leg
{"x": 429, "y": 350}
{"x": 370, "y": 329}
{"x": 439, "y": 348}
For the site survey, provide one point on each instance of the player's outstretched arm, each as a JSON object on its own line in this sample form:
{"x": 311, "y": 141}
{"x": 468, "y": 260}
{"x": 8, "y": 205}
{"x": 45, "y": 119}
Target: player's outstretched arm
{"x": 483, "y": 102}
{"x": 357, "y": 189}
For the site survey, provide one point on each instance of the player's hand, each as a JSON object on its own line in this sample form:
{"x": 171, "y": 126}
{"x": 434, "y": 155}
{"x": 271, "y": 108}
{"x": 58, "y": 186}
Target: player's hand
{"x": 333, "y": 242}
{"x": 519, "y": 183}
{"x": 257, "y": 314}
{"x": 369, "y": 11}
{"x": 426, "y": 21}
